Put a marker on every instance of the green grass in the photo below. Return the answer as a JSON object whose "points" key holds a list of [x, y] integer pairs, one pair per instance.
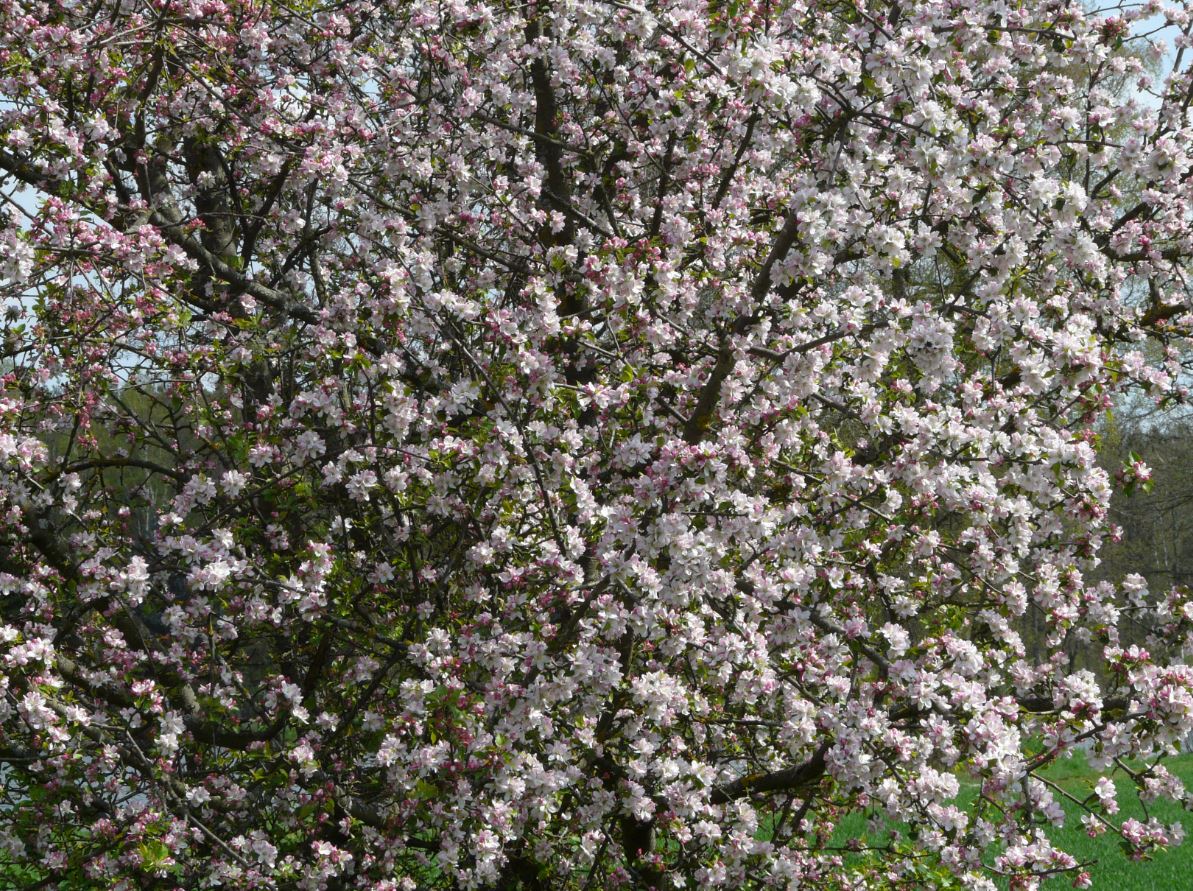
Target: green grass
{"points": [[1114, 870], [1166, 871]]}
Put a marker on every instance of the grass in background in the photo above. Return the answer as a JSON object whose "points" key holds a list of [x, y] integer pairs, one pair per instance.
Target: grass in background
{"points": [[1170, 870]]}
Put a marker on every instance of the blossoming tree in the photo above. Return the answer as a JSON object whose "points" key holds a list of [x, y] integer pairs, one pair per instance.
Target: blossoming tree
{"points": [[579, 443]]}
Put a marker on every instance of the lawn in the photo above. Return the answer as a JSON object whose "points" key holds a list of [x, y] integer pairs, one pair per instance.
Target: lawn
{"points": [[1114, 870], [1166, 871]]}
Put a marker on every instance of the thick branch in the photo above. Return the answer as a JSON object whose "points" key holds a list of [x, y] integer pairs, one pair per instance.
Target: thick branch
{"points": [[798, 778], [710, 394]]}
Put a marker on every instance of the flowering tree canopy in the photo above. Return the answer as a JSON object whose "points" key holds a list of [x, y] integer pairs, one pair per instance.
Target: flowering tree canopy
{"points": [[577, 443]]}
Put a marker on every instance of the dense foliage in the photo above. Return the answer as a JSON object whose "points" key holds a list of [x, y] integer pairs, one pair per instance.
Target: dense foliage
{"points": [[577, 443]]}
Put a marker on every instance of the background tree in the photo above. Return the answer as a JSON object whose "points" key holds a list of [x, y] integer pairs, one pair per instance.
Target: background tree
{"points": [[577, 444]]}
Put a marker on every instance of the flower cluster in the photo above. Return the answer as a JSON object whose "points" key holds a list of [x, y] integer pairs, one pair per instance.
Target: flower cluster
{"points": [[580, 444]]}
